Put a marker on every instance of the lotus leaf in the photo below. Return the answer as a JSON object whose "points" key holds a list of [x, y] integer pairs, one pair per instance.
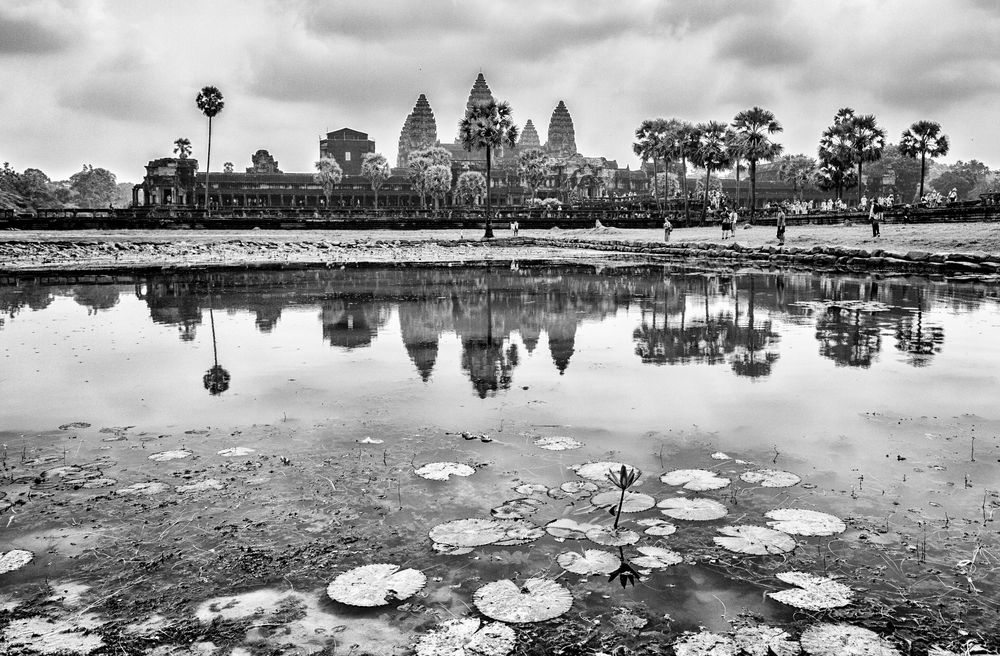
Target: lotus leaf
{"points": [[146, 489], [591, 561], [805, 522], [612, 537], [375, 585], [531, 488], [518, 531], [449, 550], [656, 557], [537, 601], [657, 527], [569, 529], [696, 480], [825, 639], [633, 501], [598, 471], [15, 559], [698, 510], [44, 635], [557, 443], [764, 640], [704, 644], [770, 478], [466, 636], [236, 451], [579, 489], [754, 540], [442, 471], [468, 532], [164, 456], [516, 508], [813, 592], [719, 455]]}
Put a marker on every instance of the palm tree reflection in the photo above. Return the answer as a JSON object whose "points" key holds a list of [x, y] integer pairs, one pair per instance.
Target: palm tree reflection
{"points": [[216, 379]]}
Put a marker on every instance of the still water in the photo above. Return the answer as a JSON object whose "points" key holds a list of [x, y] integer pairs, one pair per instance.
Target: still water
{"points": [[881, 394]]}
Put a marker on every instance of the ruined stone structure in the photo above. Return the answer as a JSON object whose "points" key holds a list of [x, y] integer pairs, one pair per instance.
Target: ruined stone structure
{"points": [[562, 136], [348, 147], [263, 163], [419, 130], [529, 137]]}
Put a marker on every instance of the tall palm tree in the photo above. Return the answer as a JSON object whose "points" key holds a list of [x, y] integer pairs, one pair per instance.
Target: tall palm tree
{"points": [[488, 125], [836, 157], [685, 144], [182, 146], [210, 103], [867, 142], [216, 379], [711, 153], [737, 148], [923, 139], [755, 127], [648, 141]]}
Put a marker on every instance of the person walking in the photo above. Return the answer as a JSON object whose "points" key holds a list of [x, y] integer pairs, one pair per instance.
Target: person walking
{"points": [[874, 215], [781, 227], [734, 218], [667, 229]]}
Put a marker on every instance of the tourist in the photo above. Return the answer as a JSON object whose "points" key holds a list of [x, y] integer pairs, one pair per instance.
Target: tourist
{"points": [[953, 196], [514, 227], [781, 227], [874, 215], [864, 202], [726, 225], [667, 229], [734, 219]]}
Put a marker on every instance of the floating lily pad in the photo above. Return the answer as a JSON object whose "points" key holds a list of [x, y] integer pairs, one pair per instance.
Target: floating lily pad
{"points": [[518, 531], [468, 532], [375, 585], [658, 527], [591, 561], [537, 601], [598, 471], [531, 488], [201, 486], [704, 644], [557, 443], [14, 559], [764, 640], [95, 483], [719, 455], [516, 508], [696, 480], [569, 529], [754, 540], [442, 471], [576, 489], [770, 478], [73, 425], [656, 557], [449, 550], [634, 501], [825, 639], [612, 537], [623, 619], [146, 489], [805, 522], [164, 456], [467, 636], [236, 451], [43, 635], [697, 510], [813, 592]]}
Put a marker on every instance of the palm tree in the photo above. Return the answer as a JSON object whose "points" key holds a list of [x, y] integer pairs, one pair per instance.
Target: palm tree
{"points": [[182, 146], [227, 167], [867, 140], [328, 175], [797, 170], [923, 139], [216, 379], [737, 149], [375, 168], [488, 125], [684, 145], [649, 145], [210, 103], [711, 153], [755, 127]]}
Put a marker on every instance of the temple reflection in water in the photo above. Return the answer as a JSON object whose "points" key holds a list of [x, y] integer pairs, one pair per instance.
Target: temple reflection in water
{"points": [[498, 314]]}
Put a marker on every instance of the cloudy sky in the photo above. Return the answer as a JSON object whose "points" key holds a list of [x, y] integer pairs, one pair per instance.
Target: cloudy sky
{"points": [[112, 82]]}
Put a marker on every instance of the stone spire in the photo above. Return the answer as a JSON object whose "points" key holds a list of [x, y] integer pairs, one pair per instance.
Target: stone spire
{"points": [[562, 137], [419, 130], [529, 137], [480, 92]]}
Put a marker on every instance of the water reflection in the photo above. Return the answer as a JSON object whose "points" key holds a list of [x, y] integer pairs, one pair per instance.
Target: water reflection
{"points": [[684, 318]]}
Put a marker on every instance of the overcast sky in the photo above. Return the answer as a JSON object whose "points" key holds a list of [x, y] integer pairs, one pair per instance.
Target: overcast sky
{"points": [[113, 82]]}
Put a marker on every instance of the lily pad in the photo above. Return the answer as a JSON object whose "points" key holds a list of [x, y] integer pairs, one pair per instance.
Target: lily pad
{"points": [[236, 451], [805, 522], [754, 540], [704, 643], [569, 529], [164, 456], [516, 508], [658, 527], [598, 471], [74, 424], [656, 557], [719, 455], [15, 559], [43, 635], [697, 510], [375, 585], [612, 537], [467, 636], [764, 640], [591, 561], [146, 489], [531, 488], [579, 489], [518, 531], [442, 471], [537, 601], [634, 501], [696, 480], [557, 443], [826, 639], [770, 478], [468, 532], [813, 592], [449, 550], [201, 486]]}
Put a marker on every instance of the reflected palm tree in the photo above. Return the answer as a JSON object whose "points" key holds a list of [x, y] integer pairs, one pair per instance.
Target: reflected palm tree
{"points": [[848, 341], [216, 379], [919, 342], [751, 357]]}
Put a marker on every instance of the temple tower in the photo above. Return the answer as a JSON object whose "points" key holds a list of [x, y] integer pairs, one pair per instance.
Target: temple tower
{"points": [[480, 92], [419, 130], [529, 137], [562, 137]]}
